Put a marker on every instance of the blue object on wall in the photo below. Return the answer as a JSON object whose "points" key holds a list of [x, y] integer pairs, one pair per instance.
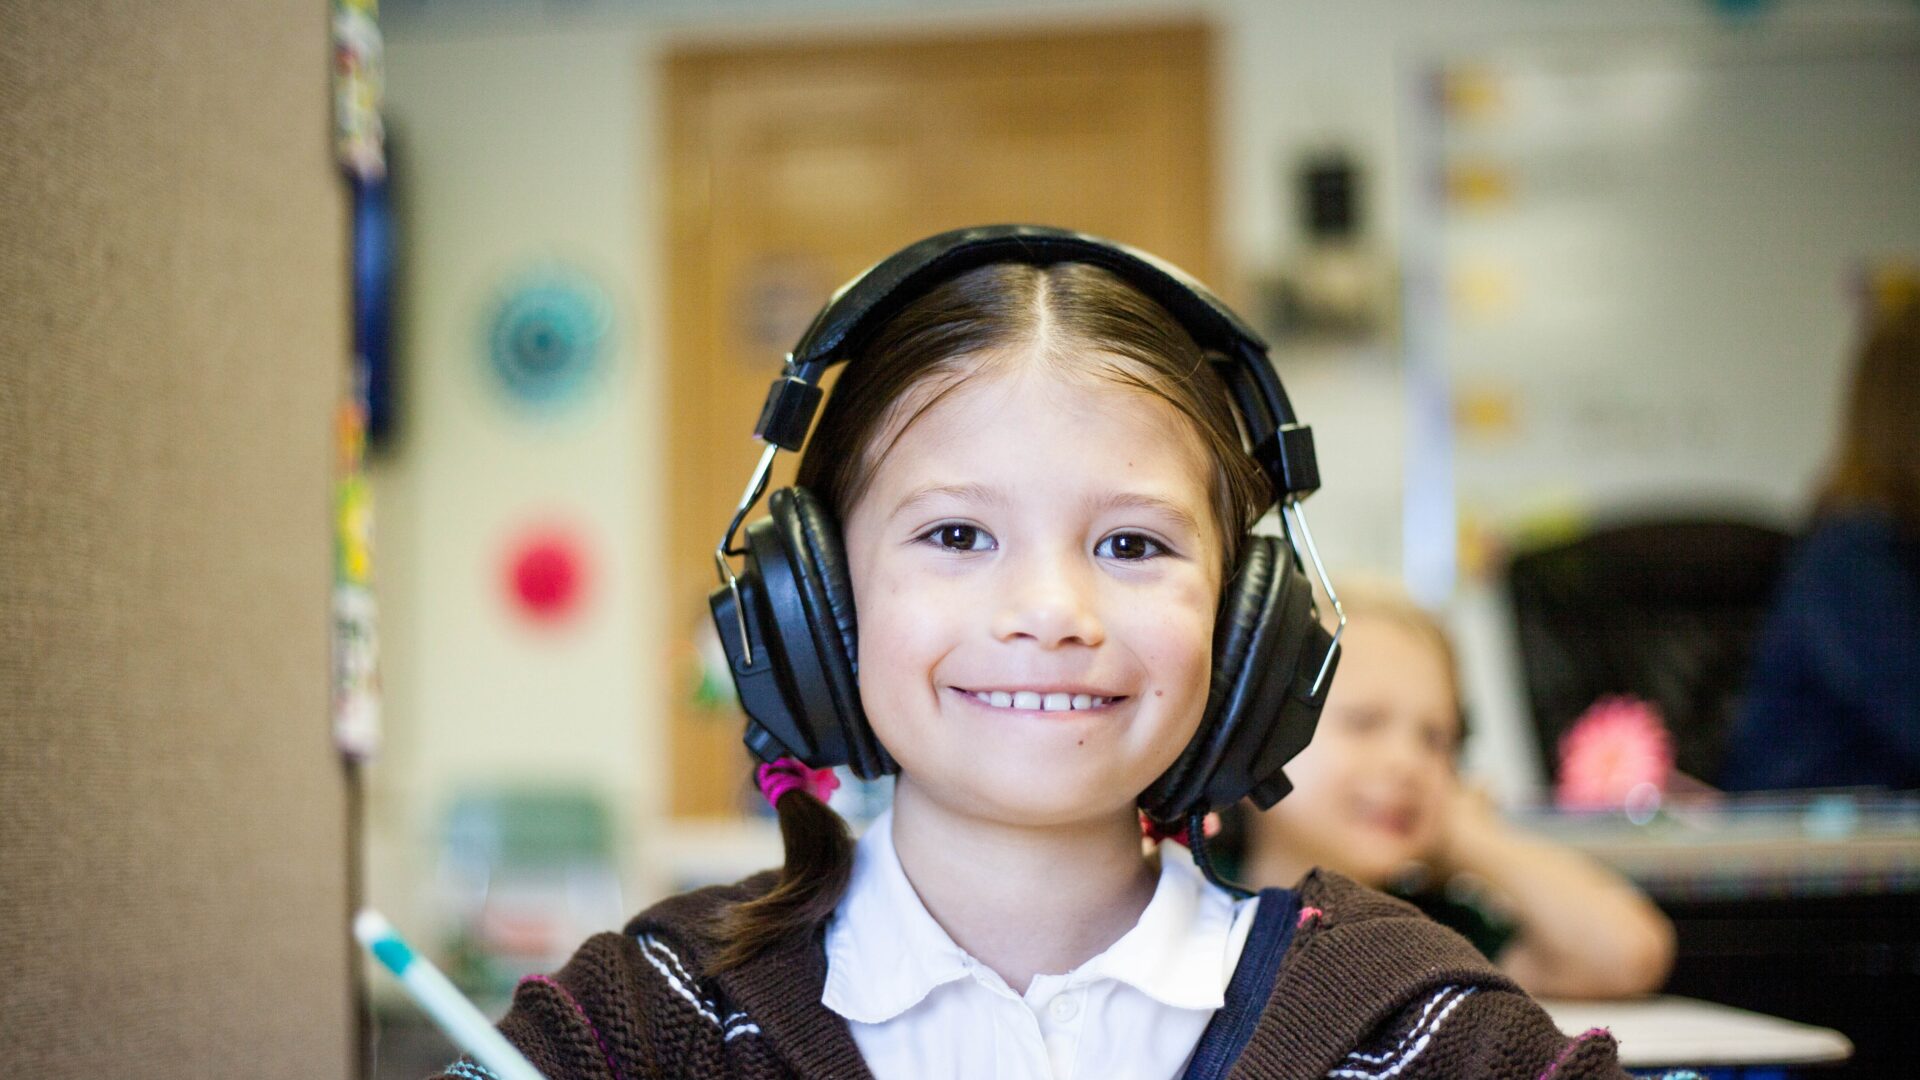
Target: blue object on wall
{"points": [[548, 337], [373, 253]]}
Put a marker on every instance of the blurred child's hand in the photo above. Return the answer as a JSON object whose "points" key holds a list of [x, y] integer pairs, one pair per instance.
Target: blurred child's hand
{"points": [[1468, 820], [1583, 931]]}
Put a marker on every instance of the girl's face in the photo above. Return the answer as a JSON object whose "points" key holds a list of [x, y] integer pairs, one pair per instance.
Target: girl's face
{"points": [[1370, 789], [1036, 576]]}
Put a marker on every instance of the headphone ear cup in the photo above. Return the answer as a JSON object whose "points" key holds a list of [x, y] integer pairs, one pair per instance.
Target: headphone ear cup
{"points": [[1273, 697], [1258, 713], [811, 537]]}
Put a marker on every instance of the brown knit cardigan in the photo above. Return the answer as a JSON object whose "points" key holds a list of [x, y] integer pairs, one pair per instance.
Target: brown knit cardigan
{"points": [[1368, 988]]}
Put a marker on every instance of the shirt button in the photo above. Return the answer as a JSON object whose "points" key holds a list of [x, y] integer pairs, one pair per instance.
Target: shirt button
{"points": [[1065, 1007]]}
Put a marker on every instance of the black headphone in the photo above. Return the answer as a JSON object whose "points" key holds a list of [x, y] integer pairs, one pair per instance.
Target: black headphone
{"points": [[787, 620]]}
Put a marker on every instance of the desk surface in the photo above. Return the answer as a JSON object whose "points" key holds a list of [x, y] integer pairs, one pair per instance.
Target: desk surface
{"points": [[1721, 847], [1669, 1031]]}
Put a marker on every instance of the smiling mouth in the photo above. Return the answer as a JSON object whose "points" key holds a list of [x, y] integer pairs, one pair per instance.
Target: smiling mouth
{"points": [[1398, 822], [1039, 701]]}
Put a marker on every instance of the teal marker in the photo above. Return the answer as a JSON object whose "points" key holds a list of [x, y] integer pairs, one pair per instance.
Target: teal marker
{"points": [[463, 1023]]}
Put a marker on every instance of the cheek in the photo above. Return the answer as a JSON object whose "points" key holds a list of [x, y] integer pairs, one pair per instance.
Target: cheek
{"points": [[1323, 767], [1174, 639], [1435, 783], [1331, 779], [1179, 624], [1313, 811], [897, 634]]}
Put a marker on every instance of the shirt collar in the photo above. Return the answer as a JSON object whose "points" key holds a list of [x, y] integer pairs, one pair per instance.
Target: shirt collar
{"points": [[1177, 953], [885, 953]]}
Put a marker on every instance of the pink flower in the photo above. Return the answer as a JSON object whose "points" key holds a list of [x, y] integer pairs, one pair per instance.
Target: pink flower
{"points": [[1616, 752]]}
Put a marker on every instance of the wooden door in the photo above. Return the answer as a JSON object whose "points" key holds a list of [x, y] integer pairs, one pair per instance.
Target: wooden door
{"points": [[791, 168]]}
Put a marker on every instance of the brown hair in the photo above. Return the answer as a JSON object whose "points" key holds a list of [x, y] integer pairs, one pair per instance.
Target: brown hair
{"points": [[1878, 463], [984, 316]]}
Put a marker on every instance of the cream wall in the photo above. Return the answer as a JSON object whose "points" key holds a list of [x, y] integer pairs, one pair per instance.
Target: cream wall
{"points": [[517, 148], [531, 130]]}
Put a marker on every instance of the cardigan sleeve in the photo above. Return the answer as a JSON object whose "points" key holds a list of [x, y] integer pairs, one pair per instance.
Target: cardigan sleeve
{"points": [[581, 1023], [1479, 1031]]}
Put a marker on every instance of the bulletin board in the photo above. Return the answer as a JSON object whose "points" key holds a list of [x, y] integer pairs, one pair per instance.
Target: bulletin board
{"points": [[1633, 271]]}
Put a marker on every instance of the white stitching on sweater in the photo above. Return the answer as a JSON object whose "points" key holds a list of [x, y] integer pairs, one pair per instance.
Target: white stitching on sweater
{"points": [[1418, 1046], [650, 946], [672, 956], [1382, 1058], [743, 1029]]}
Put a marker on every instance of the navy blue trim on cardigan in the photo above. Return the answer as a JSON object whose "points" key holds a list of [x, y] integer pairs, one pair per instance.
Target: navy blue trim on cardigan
{"points": [[1231, 1028]]}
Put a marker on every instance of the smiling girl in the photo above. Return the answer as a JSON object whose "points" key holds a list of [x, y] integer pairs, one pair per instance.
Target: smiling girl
{"points": [[1037, 483]]}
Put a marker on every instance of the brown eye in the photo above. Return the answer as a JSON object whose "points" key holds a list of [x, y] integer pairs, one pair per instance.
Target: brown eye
{"points": [[960, 538], [1129, 547], [1440, 739]]}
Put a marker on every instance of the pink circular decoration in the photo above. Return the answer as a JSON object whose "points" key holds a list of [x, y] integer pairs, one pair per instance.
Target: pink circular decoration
{"points": [[1616, 755], [547, 575]]}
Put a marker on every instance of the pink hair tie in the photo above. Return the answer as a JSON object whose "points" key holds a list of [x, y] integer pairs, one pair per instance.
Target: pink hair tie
{"points": [[788, 773], [1176, 831], [1156, 832]]}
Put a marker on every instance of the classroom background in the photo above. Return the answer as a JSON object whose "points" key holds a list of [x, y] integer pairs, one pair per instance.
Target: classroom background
{"points": [[378, 379]]}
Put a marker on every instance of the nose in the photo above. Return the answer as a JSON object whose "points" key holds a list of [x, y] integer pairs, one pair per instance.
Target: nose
{"points": [[1048, 600]]}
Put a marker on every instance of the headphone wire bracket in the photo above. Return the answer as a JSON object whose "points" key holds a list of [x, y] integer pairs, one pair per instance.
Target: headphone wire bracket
{"points": [[1299, 515], [756, 487]]}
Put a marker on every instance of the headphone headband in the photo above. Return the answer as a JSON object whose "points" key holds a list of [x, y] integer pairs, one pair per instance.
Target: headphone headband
{"points": [[1282, 446], [877, 295]]}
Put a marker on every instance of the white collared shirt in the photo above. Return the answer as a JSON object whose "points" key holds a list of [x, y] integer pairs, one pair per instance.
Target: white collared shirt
{"points": [[921, 1008]]}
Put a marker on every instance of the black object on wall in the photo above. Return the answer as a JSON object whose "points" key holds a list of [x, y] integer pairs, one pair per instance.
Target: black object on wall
{"points": [[1330, 198]]}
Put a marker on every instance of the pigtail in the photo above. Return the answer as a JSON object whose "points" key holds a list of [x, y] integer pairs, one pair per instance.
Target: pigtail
{"points": [[819, 861]]}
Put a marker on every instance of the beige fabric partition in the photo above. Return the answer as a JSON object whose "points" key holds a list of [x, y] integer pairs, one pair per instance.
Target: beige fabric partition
{"points": [[173, 339]]}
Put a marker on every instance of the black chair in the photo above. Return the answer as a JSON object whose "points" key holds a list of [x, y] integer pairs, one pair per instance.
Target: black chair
{"points": [[1665, 610]]}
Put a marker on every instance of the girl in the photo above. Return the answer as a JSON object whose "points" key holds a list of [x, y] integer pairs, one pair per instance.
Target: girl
{"points": [[1376, 793], [1040, 488]]}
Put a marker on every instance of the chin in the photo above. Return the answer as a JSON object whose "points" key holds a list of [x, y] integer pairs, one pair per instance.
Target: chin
{"points": [[1021, 809], [1377, 876], [1034, 794], [1381, 864], [1059, 797]]}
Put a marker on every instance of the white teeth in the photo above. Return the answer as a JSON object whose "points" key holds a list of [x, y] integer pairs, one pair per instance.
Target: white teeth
{"points": [[1033, 699]]}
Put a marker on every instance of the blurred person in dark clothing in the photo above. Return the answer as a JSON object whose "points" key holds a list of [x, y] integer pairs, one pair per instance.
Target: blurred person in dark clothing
{"points": [[1834, 695]]}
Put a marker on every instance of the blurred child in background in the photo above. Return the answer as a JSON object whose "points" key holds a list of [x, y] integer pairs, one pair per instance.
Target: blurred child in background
{"points": [[1834, 697], [1377, 797]]}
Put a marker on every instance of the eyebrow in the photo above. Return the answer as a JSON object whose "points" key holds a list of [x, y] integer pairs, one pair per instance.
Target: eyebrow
{"points": [[989, 496], [1129, 500], [974, 493]]}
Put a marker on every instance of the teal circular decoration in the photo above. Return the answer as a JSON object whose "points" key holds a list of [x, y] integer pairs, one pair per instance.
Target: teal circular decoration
{"points": [[548, 338]]}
